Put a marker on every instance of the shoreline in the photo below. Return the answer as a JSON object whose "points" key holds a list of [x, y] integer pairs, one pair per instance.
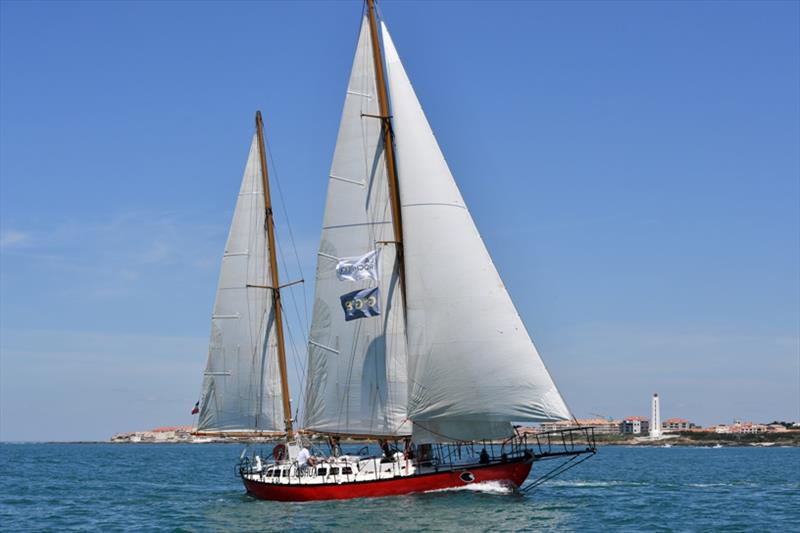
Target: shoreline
{"points": [[790, 439]]}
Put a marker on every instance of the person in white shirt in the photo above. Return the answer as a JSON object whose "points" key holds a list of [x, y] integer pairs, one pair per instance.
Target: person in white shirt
{"points": [[304, 459]]}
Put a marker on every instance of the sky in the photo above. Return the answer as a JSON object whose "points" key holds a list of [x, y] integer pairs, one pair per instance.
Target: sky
{"points": [[633, 169]]}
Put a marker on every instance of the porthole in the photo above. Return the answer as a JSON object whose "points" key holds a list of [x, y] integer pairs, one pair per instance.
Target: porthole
{"points": [[467, 477]]}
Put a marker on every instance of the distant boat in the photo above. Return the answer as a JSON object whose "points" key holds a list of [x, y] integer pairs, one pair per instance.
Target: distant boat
{"points": [[666, 445], [414, 341], [717, 446]]}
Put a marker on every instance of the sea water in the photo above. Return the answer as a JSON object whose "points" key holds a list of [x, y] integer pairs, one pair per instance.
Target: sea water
{"points": [[193, 487]]}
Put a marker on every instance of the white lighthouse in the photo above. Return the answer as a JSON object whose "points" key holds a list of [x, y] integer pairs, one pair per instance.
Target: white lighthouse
{"points": [[655, 418]]}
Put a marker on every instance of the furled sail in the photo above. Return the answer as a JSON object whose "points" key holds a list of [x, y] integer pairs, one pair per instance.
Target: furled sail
{"points": [[241, 389], [357, 348], [472, 366]]}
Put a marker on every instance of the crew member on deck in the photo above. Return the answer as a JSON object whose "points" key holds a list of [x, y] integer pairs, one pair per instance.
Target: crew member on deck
{"points": [[409, 450], [484, 457], [336, 449], [387, 451], [305, 459]]}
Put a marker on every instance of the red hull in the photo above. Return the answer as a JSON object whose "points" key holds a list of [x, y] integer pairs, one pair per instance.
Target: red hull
{"points": [[513, 474]]}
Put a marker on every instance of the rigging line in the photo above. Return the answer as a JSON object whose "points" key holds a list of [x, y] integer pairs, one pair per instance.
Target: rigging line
{"points": [[298, 362], [298, 365], [300, 321], [560, 469], [282, 256], [296, 358], [288, 226]]}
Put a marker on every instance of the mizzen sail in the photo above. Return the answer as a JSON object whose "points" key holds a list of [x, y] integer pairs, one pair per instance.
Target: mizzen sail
{"points": [[472, 366], [357, 349], [241, 389]]}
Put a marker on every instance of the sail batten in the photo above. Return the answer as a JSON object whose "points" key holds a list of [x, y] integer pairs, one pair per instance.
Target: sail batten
{"points": [[472, 366], [240, 389]]}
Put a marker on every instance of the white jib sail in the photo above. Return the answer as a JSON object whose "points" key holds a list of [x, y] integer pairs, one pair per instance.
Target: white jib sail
{"points": [[357, 350], [472, 365], [241, 388]]}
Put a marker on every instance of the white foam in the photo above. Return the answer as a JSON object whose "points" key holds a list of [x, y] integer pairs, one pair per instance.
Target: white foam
{"points": [[490, 487]]}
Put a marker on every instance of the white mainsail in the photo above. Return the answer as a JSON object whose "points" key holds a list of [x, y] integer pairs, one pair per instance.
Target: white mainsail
{"points": [[472, 366], [357, 367], [241, 389]]}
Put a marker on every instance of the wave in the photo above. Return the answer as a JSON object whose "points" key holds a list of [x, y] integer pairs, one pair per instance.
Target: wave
{"points": [[562, 483], [711, 485]]}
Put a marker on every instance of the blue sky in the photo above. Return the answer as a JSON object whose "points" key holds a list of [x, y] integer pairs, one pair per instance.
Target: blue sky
{"points": [[633, 168]]}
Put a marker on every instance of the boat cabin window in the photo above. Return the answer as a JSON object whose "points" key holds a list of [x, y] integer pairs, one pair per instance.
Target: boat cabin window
{"points": [[347, 470], [284, 473], [322, 471], [334, 470]]}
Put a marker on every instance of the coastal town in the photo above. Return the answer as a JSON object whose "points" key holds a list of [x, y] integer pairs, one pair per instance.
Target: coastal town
{"points": [[630, 430]]}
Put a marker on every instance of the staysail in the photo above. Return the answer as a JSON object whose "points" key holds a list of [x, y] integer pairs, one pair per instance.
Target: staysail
{"points": [[472, 366], [241, 389], [357, 349]]}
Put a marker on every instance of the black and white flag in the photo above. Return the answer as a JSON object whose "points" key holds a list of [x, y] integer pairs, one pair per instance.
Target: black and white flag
{"points": [[362, 303], [358, 268]]}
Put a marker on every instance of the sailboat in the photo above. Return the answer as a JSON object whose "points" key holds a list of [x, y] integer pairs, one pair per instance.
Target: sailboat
{"points": [[414, 341]]}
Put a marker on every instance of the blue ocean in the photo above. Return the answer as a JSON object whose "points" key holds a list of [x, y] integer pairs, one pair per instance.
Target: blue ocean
{"points": [[193, 487]]}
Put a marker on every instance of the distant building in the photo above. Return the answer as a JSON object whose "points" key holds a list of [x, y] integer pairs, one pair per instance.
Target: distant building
{"points": [[161, 434], [739, 427], [601, 426], [677, 424], [635, 425]]}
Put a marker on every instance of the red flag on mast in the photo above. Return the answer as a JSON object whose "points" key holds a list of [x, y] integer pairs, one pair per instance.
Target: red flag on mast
{"points": [[196, 408]]}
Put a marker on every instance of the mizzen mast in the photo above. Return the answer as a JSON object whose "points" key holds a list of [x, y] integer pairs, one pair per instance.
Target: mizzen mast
{"points": [[275, 287], [388, 144]]}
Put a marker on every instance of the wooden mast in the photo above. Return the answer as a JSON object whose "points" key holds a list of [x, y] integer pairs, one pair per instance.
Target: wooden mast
{"points": [[275, 284], [388, 144]]}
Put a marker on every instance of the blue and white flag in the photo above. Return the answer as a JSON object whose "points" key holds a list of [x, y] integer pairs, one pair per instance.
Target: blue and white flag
{"points": [[358, 268], [362, 303]]}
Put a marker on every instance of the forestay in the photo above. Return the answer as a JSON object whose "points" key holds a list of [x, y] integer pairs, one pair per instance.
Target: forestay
{"points": [[241, 389], [357, 350], [472, 365]]}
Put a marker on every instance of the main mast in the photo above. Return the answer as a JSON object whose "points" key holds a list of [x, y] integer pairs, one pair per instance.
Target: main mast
{"points": [[388, 144], [275, 288]]}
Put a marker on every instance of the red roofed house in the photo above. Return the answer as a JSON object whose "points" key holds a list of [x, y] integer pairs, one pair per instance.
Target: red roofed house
{"points": [[676, 424], [635, 425]]}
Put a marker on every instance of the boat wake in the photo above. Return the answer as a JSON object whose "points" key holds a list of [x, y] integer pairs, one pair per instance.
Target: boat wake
{"points": [[488, 487]]}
